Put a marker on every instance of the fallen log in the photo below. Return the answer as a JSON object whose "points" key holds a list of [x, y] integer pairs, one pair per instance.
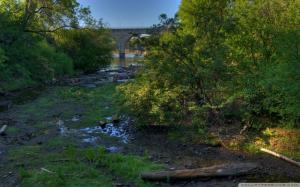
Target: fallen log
{"points": [[280, 156], [2, 130], [233, 169]]}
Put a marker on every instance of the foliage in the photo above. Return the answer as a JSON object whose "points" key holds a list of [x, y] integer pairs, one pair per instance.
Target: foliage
{"points": [[28, 52], [225, 59], [89, 48]]}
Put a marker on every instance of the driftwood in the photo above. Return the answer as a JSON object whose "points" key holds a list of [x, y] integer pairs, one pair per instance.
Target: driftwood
{"points": [[46, 170], [2, 130], [280, 156], [234, 169]]}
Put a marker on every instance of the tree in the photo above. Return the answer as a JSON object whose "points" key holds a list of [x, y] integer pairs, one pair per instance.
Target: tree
{"points": [[226, 59], [90, 49], [28, 33]]}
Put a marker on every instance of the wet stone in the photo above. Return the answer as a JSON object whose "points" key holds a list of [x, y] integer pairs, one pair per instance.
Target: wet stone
{"points": [[89, 85], [109, 118], [113, 149], [90, 140], [91, 134], [75, 119]]}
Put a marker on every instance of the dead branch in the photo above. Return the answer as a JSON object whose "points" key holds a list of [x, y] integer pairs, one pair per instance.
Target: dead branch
{"points": [[280, 156]]}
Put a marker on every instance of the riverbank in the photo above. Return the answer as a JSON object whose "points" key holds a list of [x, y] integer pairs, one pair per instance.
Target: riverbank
{"points": [[76, 133]]}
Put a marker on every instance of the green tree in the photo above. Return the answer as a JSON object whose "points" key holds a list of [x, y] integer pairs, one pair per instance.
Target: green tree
{"points": [[28, 30], [90, 49], [223, 54]]}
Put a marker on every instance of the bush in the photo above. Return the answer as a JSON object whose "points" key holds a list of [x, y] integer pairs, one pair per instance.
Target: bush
{"points": [[221, 54], [30, 60], [90, 49]]}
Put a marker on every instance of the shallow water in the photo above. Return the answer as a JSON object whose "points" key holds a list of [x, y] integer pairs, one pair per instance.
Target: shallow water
{"points": [[91, 134], [110, 129]]}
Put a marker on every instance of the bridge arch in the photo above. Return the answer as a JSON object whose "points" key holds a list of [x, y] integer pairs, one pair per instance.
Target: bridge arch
{"points": [[123, 35]]}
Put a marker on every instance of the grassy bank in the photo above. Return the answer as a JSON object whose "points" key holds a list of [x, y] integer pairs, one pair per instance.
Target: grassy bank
{"points": [[49, 159]]}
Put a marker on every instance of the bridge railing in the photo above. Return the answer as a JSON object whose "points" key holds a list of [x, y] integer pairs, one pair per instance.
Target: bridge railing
{"points": [[125, 28]]}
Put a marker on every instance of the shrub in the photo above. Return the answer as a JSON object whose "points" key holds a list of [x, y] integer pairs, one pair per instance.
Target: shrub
{"points": [[90, 49]]}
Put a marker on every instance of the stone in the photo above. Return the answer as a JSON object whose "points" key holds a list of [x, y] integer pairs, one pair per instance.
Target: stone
{"points": [[102, 124], [5, 105], [75, 119], [115, 119], [124, 80], [119, 185], [113, 149], [97, 83], [89, 85]]}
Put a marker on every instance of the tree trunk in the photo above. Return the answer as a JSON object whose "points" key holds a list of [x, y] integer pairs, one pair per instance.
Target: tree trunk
{"points": [[233, 169]]}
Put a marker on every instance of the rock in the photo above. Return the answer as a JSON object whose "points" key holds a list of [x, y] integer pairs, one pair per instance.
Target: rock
{"points": [[97, 83], [109, 119], [89, 85], [102, 124], [60, 122], [115, 119], [124, 80], [119, 185], [75, 119], [2, 94], [113, 149], [123, 76], [5, 105]]}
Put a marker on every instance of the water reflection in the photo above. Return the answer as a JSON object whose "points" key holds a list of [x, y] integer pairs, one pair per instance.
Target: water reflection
{"points": [[130, 59]]}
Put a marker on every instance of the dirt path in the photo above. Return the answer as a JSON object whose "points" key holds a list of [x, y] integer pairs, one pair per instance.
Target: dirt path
{"points": [[81, 113]]}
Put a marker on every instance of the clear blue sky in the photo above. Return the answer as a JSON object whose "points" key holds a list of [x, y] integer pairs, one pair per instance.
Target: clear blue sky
{"points": [[131, 13]]}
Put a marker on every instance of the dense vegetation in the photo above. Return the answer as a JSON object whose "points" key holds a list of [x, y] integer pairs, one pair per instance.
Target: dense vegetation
{"points": [[41, 40], [225, 60]]}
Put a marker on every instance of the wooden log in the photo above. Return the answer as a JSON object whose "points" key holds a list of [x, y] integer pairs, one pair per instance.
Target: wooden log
{"points": [[280, 156], [2, 130], [233, 169]]}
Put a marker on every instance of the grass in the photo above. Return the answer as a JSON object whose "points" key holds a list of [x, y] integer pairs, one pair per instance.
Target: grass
{"points": [[77, 167], [129, 167], [12, 131], [191, 134], [97, 103], [70, 174], [283, 141], [67, 163], [93, 105]]}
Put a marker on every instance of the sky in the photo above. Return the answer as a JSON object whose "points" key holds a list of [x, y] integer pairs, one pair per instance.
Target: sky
{"points": [[131, 13]]}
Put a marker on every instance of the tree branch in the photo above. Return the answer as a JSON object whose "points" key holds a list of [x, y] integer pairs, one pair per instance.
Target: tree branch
{"points": [[46, 31]]}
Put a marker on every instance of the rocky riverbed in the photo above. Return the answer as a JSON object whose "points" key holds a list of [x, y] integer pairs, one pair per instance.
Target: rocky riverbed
{"points": [[80, 113]]}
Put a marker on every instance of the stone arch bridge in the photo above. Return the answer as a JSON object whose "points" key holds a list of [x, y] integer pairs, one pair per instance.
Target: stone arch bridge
{"points": [[123, 35]]}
